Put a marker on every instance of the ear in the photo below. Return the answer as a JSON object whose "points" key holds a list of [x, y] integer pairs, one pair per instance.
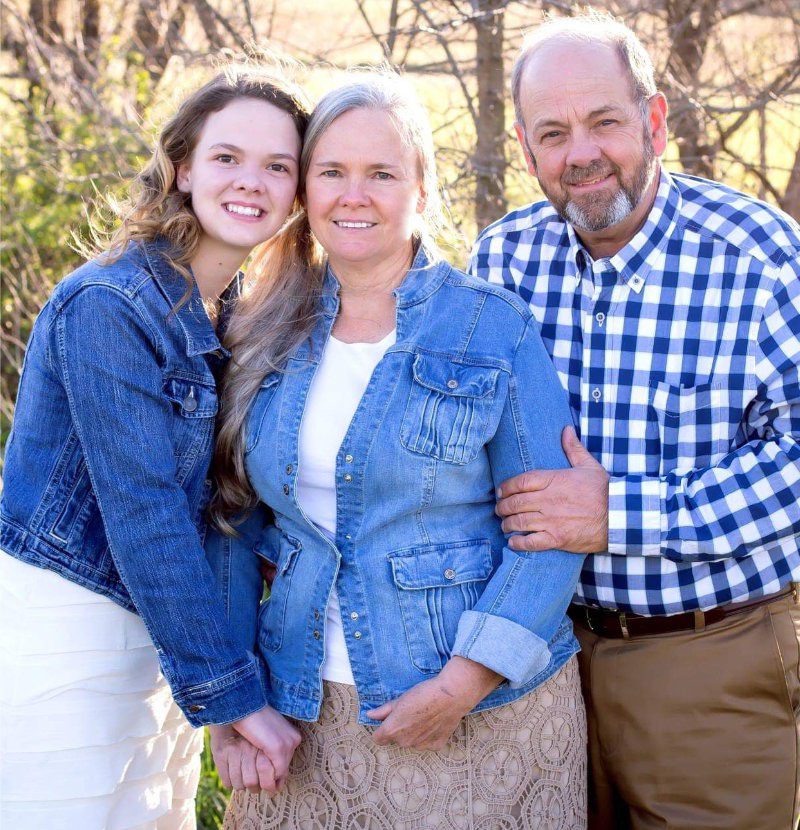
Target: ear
{"points": [[183, 178], [657, 106], [530, 162], [422, 200]]}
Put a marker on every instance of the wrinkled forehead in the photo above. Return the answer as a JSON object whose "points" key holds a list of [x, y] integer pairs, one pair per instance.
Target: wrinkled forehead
{"points": [[567, 79]]}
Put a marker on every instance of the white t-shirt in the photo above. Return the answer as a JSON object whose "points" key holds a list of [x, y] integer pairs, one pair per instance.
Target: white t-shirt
{"points": [[338, 386]]}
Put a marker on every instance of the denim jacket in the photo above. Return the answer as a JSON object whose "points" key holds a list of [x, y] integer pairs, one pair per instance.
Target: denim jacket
{"points": [[465, 398], [107, 464]]}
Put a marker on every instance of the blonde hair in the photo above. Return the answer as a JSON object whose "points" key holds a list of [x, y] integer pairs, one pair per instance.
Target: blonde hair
{"points": [[279, 310], [155, 207]]}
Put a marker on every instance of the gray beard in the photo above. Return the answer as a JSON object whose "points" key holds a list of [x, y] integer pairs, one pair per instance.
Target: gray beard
{"points": [[619, 208]]}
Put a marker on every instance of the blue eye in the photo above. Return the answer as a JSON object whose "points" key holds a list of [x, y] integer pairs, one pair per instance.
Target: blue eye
{"points": [[383, 176], [329, 174]]}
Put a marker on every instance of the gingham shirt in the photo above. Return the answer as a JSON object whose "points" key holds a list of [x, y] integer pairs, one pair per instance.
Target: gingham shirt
{"points": [[680, 357]]}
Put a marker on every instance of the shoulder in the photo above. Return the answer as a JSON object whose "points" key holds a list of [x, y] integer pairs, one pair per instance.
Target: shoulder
{"points": [[751, 227], [535, 222], [495, 301]]}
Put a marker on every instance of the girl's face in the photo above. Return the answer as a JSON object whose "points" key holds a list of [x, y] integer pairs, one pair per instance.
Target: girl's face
{"points": [[363, 192], [242, 176]]}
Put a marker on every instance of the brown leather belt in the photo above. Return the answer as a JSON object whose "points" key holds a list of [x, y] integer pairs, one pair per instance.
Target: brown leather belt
{"points": [[621, 625]]}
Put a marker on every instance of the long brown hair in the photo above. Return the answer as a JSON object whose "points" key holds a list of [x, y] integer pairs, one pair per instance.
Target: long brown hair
{"points": [[155, 207]]}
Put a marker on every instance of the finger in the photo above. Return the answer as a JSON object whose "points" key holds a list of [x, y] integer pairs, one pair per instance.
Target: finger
{"points": [[524, 483], [249, 771], [543, 540], [222, 769], [266, 774], [382, 711], [577, 454], [235, 769], [523, 523], [383, 736], [520, 503]]}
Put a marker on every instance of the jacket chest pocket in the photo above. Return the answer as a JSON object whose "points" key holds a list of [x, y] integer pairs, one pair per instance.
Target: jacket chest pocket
{"points": [[448, 409], [195, 408], [272, 612], [435, 585], [694, 424]]}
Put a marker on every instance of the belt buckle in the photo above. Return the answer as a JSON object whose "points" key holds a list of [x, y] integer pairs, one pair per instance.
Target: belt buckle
{"points": [[588, 618], [623, 624]]}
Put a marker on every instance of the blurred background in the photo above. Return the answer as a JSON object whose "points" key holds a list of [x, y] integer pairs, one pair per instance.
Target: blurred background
{"points": [[85, 83]]}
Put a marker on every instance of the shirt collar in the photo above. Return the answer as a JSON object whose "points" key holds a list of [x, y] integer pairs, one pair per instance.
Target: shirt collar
{"points": [[634, 261], [200, 335]]}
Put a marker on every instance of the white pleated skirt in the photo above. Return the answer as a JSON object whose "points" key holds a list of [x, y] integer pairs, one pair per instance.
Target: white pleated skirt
{"points": [[90, 737]]}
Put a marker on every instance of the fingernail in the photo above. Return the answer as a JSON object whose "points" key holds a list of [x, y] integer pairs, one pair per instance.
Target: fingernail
{"points": [[499, 493]]}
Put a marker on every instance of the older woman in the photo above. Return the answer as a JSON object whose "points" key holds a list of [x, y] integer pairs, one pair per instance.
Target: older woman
{"points": [[374, 405]]}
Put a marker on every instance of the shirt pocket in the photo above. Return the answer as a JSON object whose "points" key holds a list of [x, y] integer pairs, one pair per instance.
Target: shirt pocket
{"points": [[194, 405], [435, 585], [281, 552], [448, 409], [694, 424], [261, 402]]}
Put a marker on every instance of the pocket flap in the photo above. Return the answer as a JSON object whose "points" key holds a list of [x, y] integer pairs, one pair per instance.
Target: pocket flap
{"points": [[192, 398], [278, 549], [449, 378], [437, 566]]}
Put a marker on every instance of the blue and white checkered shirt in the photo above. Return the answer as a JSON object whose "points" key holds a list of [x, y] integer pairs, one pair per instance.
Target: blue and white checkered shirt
{"points": [[681, 357]]}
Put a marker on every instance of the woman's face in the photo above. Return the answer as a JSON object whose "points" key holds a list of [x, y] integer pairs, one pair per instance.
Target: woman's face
{"points": [[363, 191], [242, 176]]}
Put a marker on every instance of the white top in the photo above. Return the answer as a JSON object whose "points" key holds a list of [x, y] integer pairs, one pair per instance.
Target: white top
{"points": [[336, 390]]}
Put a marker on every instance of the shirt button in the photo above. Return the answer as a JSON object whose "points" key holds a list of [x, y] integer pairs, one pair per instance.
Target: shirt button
{"points": [[596, 394], [357, 635], [354, 615], [636, 281], [600, 317], [289, 469], [348, 477], [449, 574], [348, 458], [190, 402], [348, 536], [286, 489], [452, 384], [195, 707], [316, 615], [316, 635]]}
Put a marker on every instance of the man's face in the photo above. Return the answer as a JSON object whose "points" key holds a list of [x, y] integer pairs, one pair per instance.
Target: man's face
{"points": [[587, 140]]}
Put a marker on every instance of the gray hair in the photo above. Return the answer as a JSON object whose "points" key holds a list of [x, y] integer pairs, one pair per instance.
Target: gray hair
{"points": [[387, 92], [591, 27]]}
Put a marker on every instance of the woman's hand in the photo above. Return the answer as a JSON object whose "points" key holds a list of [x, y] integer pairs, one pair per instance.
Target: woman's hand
{"points": [[236, 759], [276, 738], [427, 714]]}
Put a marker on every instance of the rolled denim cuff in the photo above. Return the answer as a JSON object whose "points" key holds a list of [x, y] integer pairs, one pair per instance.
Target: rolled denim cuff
{"points": [[225, 699], [501, 645]]}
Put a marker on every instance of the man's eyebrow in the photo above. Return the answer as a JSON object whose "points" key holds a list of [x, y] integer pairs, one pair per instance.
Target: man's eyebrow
{"points": [[604, 110], [595, 113]]}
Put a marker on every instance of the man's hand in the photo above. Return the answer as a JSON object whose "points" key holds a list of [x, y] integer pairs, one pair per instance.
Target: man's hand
{"points": [[276, 738], [426, 716], [563, 509], [237, 760]]}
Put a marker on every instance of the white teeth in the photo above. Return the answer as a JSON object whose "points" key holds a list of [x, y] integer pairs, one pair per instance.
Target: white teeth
{"points": [[241, 210], [355, 224]]}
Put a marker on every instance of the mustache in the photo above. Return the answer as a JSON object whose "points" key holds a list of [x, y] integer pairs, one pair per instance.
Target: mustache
{"points": [[579, 175]]}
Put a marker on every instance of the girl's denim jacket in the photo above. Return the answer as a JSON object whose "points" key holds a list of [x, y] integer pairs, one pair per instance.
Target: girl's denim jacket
{"points": [[465, 398], [106, 474]]}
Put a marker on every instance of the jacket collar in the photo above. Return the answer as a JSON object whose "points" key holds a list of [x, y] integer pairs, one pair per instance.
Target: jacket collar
{"points": [[200, 335]]}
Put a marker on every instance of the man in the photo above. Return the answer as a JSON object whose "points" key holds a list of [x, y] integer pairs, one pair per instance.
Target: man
{"points": [[671, 308]]}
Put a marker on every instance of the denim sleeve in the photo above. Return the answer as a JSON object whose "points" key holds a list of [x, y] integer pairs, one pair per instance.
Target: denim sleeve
{"points": [[108, 361], [237, 568], [524, 602]]}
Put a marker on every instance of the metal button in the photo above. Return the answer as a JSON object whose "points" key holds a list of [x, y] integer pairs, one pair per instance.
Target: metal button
{"points": [[289, 469], [452, 384], [208, 482], [354, 615], [449, 574], [190, 402], [348, 477], [196, 707], [596, 394], [348, 536], [348, 458], [286, 489], [316, 615], [357, 635], [317, 635], [600, 317]]}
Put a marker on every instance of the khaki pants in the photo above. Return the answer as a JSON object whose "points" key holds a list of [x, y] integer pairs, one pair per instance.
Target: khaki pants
{"points": [[698, 729]]}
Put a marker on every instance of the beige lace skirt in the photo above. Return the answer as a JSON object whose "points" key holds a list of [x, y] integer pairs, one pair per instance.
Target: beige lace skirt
{"points": [[521, 766]]}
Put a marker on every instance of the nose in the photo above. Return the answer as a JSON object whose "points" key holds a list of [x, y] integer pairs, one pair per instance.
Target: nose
{"points": [[250, 180], [582, 149], [354, 193]]}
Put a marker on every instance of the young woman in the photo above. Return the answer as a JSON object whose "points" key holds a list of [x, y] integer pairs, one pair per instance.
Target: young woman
{"points": [[106, 485], [406, 392]]}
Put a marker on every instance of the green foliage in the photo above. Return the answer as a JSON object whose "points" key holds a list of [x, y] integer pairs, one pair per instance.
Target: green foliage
{"points": [[212, 797]]}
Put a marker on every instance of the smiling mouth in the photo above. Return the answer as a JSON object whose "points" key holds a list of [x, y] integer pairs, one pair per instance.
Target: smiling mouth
{"points": [[241, 210], [590, 182], [340, 223]]}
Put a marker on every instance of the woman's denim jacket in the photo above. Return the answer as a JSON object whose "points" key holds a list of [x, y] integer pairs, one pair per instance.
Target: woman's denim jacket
{"points": [[107, 464], [465, 398]]}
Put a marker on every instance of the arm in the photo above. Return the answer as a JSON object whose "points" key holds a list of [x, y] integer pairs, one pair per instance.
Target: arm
{"points": [[107, 358], [748, 500]]}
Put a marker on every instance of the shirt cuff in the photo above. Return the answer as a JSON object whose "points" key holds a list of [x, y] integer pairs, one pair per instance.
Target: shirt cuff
{"points": [[228, 698], [501, 645], [634, 516]]}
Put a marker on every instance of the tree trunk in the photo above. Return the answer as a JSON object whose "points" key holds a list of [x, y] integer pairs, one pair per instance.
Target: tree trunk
{"points": [[791, 198], [489, 159]]}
